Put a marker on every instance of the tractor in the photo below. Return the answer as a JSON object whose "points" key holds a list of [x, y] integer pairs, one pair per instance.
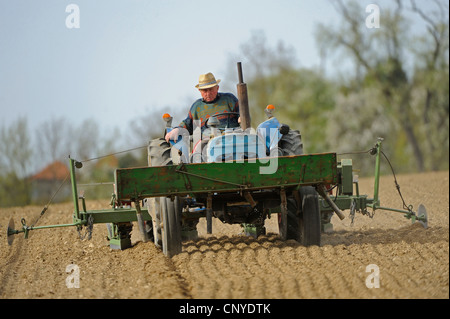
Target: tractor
{"points": [[235, 148], [238, 175]]}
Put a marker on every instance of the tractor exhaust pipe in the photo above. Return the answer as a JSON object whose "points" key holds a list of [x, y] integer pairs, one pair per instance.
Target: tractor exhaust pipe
{"points": [[244, 110]]}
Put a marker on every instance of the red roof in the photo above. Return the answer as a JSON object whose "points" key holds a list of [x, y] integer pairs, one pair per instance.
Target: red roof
{"points": [[55, 171]]}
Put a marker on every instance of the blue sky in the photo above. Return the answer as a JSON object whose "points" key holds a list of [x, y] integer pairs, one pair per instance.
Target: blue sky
{"points": [[130, 57]]}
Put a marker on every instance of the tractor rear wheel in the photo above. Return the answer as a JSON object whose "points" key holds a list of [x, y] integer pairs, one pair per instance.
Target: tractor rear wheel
{"points": [[309, 220], [292, 231], [165, 212], [159, 154], [171, 229], [303, 225], [153, 227], [291, 143]]}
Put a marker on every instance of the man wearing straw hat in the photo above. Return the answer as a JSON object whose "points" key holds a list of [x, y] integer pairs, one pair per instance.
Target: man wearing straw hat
{"points": [[212, 102]]}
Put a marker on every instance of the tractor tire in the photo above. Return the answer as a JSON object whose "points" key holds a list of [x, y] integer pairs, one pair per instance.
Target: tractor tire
{"points": [[292, 221], [165, 213], [159, 152], [171, 230], [153, 227], [291, 143], [309, 220], [305, 226]]}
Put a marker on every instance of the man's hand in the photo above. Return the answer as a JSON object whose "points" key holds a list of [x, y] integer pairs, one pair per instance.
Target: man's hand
{"points": [[173, 135]]}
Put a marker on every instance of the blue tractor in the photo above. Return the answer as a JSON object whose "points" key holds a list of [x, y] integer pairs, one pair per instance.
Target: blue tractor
{"points": [[228, 143]]}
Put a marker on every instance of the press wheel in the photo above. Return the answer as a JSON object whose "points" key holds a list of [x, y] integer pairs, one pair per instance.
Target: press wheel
{"points": [[422, 216], [10, 232]]}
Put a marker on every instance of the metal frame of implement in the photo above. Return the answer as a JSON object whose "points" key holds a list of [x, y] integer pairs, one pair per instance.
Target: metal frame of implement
{"points": [[136, 184]]}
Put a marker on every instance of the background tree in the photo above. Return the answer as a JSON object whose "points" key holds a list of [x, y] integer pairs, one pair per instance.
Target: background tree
{"points": [[151, 126], [302, 97], [391, 81], [409, 97], [15, 158]]}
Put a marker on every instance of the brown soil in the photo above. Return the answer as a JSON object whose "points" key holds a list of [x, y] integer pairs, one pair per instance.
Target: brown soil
{"points": [[413, 262]]}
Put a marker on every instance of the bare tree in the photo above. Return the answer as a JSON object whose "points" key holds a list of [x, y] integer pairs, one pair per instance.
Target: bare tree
{"points": [[52, 140], [15, 159], [434, 69], [380, 55], [15, 148]]}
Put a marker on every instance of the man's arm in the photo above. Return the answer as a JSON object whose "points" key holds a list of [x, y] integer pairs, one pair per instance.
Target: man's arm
{"points": [[185, 124]]}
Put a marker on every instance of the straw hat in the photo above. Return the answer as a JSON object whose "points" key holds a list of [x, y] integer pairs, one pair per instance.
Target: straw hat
{"points": [[206, 81]]}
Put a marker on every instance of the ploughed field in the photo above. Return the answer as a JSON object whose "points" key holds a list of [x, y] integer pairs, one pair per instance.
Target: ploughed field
{"points": [[381, 257]]}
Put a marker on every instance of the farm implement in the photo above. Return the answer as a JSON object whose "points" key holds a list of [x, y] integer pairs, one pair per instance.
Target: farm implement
{"points": [[239, 175]]}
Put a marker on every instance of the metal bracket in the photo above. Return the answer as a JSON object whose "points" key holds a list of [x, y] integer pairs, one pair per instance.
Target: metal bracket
{"points": [[283, 226], [209, 214]]}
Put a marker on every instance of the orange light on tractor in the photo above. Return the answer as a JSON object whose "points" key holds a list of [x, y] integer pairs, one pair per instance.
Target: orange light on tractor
{"points": [[270, 109], [168, 119]]}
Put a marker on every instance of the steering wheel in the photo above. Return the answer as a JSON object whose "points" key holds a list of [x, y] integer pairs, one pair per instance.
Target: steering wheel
{"points": [[228, 114]]}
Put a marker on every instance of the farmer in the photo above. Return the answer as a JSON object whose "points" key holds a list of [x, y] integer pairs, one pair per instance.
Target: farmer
{"points": [[212, 102]]}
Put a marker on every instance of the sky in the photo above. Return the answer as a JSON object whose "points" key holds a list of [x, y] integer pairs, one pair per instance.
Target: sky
{"points": [[130, 57]]}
